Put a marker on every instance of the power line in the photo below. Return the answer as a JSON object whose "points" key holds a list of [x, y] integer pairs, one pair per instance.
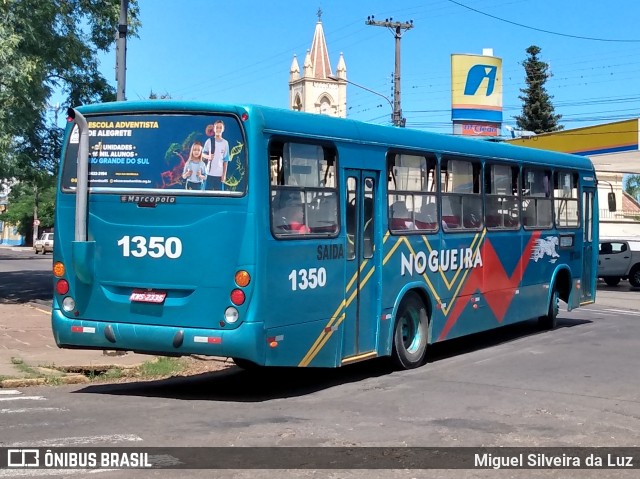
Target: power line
{"points": [[545, 31]]}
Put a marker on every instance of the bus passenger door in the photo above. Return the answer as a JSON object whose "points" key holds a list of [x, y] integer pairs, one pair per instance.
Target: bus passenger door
{"points": [[589, 258], [363, 272]]}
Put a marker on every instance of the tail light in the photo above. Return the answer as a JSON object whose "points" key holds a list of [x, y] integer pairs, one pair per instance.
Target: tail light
{"points": [[237, 297]]}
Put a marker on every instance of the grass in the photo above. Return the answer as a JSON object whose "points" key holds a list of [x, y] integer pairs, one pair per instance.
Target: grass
{"points": [[115, 373], [54, 380], [155, 368], [24, 368], [162, 366]]}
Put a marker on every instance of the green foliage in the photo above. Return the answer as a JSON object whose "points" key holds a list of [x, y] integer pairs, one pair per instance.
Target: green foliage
{"points": [[161, 366], [164, 96], [632, 186], [47, 47], [538, 114], [22, 201]]}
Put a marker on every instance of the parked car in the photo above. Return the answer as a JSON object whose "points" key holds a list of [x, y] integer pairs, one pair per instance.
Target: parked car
{"points": [[619, 259], [44, 244]]}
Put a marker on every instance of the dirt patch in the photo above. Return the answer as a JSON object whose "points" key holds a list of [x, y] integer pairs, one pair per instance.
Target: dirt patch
{"points": [[185, 366], [204, 364]]}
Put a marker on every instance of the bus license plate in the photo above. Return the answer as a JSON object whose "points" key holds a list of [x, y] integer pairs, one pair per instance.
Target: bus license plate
{"points": [[141, 296]]}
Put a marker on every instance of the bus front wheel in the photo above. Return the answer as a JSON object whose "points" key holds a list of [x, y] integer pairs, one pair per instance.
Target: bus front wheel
{"points": [[411, 331]]}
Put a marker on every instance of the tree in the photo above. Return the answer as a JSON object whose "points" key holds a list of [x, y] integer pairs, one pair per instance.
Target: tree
{"points": [[164, 96], [22, 199], [538, 114], [632, 186], [49, 47]]}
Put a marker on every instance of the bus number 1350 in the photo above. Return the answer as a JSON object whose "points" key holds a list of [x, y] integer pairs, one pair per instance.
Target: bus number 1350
{"points": [[156, 246], [308, 278]]}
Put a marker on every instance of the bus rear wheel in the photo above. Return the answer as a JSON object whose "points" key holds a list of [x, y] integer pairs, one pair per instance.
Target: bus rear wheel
{"points": [[550, 320], [411, 332]]}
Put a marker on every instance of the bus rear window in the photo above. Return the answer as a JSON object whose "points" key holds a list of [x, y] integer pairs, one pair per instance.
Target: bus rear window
{"points": [[195, 154]]}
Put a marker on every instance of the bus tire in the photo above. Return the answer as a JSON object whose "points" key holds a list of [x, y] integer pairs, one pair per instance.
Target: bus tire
{"points": [[634, 276], [612, 280], [245, 364], [410, 333], [550, 320]]}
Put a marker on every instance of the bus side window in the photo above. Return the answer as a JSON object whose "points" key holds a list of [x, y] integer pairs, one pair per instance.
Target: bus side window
{"points": [[411, 195], [537, 198], [304, 197], [322, 213], [501, 196], [565, 199], [399, 217], [288, 211], [461, 193]]}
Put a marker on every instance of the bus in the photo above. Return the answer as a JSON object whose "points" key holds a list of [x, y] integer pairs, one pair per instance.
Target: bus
{"points": [[281, 238]]}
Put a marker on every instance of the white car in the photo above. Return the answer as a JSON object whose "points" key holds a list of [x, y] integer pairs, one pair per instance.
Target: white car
{"points": [[44, 244], [619, 259]]}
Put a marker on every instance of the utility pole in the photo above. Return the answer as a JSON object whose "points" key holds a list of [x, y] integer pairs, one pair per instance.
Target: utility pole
{"points": [[397, 29], [36, 220], [121, 51]]}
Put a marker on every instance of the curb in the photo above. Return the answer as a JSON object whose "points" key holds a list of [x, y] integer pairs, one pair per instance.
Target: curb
{"points": [[83, 374], [24, 382], [65, 375]]}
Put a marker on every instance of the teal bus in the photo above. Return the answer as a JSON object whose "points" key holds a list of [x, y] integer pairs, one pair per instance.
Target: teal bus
{"points": [[281, 238]]}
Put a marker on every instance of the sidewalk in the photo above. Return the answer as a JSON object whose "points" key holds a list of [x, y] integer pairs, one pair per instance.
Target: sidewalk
{"points": [[28, 350]]}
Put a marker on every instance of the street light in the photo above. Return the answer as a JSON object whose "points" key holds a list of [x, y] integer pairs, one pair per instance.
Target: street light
{"points": [[393, 120]]}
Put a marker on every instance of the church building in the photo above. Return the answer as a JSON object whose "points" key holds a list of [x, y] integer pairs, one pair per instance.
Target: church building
{"points": [[316, 89]]}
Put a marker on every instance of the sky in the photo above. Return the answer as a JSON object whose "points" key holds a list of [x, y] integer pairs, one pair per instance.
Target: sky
{"points": [[240, 51]]}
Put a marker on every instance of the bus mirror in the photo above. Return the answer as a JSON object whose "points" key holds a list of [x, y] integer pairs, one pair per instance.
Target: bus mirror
{"points": [[611, 198]]}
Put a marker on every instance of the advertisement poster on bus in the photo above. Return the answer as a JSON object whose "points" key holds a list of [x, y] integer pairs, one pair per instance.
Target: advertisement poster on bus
{"points": [[198, 154]]}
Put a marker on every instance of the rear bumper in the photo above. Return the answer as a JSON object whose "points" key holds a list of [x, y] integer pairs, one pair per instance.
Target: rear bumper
{"points": [[248, 341]]}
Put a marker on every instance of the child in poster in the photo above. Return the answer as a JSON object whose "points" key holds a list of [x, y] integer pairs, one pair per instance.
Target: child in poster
{"points": [[217, 153], [195, 171]]}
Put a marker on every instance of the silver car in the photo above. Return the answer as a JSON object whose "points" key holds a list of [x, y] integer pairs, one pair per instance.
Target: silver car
{"points": [[44, 244], [619, 258]]}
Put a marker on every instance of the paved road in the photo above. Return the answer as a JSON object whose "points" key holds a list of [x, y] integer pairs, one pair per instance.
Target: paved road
{"points": [[25, 276], [575, 386], [622, 296]]}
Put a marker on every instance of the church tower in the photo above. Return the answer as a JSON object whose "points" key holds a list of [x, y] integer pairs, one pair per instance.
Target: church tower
{"points": [[312, 90]]}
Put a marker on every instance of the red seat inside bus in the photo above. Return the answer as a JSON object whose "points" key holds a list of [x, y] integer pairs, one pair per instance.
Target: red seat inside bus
{"points": [[451, 221], [426, 225], [492, 221]]}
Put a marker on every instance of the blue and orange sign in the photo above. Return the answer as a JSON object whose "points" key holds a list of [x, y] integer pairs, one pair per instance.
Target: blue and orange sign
{"points": [[476, 88]]}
